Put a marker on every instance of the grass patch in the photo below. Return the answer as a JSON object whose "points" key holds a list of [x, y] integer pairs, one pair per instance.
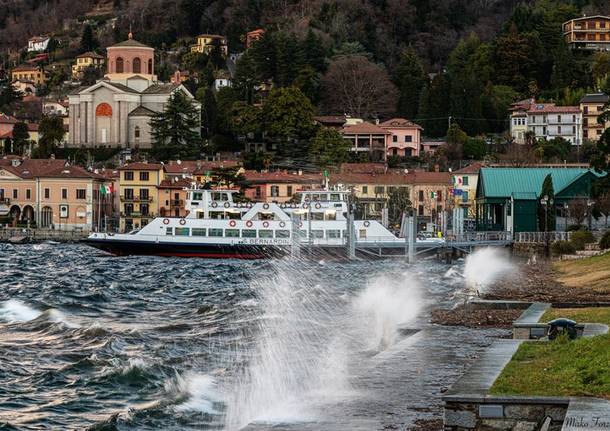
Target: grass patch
{"points": [[591, 272], [580, 315], [558, 368]]}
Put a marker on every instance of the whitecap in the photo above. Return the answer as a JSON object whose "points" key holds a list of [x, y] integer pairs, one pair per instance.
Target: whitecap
{"points": [[15, 310], [198, 392]]}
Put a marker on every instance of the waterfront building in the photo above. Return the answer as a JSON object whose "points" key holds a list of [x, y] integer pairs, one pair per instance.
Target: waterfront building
{"points": [[404, 138], [207, 42], [172, 194], [588, 32], [138, 191], [34, 74], [591, 106], [508, 198], [116, 111], [279, 186], [83, 61], [465, 188], [367, 138], [50, 193], [518, 120], [549, 121]]}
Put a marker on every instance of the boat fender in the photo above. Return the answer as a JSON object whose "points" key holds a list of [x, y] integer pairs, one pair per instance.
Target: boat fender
{"points": [[249, 223], [367, 223], [265, 224], [232, 223], [265, 206], [214, 204], [165, 221], [318, 205], [227, 204], [282, 224], [182, 221]]}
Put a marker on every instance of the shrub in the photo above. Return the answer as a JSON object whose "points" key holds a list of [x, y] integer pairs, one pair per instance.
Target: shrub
{"points": [[562, 247], [580, 238], [574, 227], [604, 242]]}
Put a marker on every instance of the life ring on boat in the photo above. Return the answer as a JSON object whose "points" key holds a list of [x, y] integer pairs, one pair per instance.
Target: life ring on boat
{"points": [[282, 224], [265, 206], [265, 224], [305, 205], [165, 221], [367, 223], [227, 204], [214, 204], [318, 205], [248, 204], [182, 221], [232, 223], [283, 205], [249, 223]]}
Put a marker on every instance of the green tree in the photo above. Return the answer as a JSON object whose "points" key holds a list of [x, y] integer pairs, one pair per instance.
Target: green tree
{"points": [[328, 148], [9, 95], [246, 77], [410, 79], [398, 203], [175, 131], [21, 137], [209, 110], [225, 99], [90, 75], [546, 218], [88, 42], [315, 54], [52, 133], [288, 116], [433, 107], [475, 148], [308, 81], [456, 138], [245, 119]]}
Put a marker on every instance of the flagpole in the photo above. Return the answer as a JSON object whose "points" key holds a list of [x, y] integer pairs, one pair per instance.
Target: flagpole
{"points": [[99, 207]]}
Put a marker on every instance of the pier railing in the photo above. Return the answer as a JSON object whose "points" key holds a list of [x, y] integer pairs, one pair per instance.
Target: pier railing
{"points": [[542, 237], [75, 234]]}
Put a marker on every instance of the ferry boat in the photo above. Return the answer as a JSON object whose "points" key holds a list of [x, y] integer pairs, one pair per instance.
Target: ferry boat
{"points": [[219, 227]]}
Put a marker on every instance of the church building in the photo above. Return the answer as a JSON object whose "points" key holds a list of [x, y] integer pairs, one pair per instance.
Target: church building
{"points": [[116, 111]]}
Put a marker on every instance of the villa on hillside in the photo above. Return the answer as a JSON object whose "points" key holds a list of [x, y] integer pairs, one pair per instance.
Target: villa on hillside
{"points": [[207, 42], [588, 32]]}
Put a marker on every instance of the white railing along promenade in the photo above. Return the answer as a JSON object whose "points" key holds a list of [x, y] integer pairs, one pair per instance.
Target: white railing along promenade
{"points": [[542, 237]]}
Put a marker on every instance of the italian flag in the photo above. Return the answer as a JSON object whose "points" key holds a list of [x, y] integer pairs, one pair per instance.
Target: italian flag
{"points": [[106, 189]]}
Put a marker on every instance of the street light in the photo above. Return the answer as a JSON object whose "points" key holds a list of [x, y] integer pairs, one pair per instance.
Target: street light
{"points": [[546, 202]]}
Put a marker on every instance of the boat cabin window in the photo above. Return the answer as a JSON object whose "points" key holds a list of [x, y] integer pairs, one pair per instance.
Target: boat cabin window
{"points": [[323, 197], [345, 234], [197, 196], [233, 215], [303, 233], [199, 231], [330, 215], [215, 232], [219, 215], [333, 234], [183, 231], [284, 233], [169, 231], [318, 234], [317, 216], [217, 196], [266, 216], [335, 197], [232, 233], [265, 233], [362, 233], [200, 213], [315, 197], [248, 233]]}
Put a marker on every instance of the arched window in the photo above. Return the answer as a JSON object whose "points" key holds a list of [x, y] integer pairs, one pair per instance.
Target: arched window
{"points": [[119, 65], [136, 132], [103, 110], [137, 65], [150, 70]]}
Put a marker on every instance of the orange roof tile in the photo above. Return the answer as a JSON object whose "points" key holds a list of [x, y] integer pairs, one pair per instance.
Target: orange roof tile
{"points": [[141, 166], [364, 128]]}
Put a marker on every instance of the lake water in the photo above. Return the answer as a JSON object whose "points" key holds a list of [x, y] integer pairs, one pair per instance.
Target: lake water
{"points": [[143, 343]]}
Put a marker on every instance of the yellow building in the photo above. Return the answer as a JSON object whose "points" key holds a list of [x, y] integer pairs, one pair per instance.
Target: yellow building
{"points": [[138, 190], [591, 106], [206, 42], [465, 189], [588, 32], [33, 74], [85, 60]]}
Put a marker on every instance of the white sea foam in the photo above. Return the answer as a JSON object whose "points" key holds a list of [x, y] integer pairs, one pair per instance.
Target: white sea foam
{"points": [[14, 310], [199, 391], [486, 266]]}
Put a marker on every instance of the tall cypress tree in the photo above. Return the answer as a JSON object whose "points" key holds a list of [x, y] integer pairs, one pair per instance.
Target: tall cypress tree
{"points": [[548, 212], [410, 79], [88, 42]]}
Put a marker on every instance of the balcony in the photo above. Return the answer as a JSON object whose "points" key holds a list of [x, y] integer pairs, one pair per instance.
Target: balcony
{"points": [[135, 199], [137, 214], [176, 203]]}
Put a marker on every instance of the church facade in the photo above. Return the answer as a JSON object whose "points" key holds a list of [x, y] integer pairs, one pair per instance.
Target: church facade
{"points": [[116, 111]]}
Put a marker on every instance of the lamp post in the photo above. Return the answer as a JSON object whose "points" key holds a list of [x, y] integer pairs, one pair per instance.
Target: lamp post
{"points": [[566, 215], [546, 202]]}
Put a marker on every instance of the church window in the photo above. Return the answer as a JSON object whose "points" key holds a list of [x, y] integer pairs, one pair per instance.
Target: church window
{"points": [[119, 65], [150, 69], [137, 65], [137, 132]]}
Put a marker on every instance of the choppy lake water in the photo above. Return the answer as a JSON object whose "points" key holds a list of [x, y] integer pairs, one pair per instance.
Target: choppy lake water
{"points": [[143, 343]]}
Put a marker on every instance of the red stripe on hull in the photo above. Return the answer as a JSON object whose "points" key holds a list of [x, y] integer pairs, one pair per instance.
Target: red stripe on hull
{"points": [[212, 255]]}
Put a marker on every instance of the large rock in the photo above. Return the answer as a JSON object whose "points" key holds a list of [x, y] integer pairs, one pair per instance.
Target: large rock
{"points": [[461, 419], [523, 412]]}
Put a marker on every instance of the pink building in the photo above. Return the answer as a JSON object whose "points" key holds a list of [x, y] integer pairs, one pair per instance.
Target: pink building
{"points": [[279, 186], [130, 57], [405, 137]]}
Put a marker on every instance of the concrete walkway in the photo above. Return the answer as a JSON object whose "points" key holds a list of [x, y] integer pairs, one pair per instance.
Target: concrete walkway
{"points": [[593, 329], [592, 414]]}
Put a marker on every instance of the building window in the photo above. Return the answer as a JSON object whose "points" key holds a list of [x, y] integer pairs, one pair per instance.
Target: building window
{"points": [[379, 190], [150, 68], [421, 196], [136, 132], [137, 65], [129, 194], [365, 190], [81, 194], [585, 110], [394, 138], [144, 194], [408, 138], [439, 196], [275, 191], [144, 176], [128, 175], [119, 65], [559, 130], [289, 191], [15, 193], [559, 118], [144, 209], [64, 193], [28, 194], [420, 210], [464, 181], [258, 192], [128, 209]]}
